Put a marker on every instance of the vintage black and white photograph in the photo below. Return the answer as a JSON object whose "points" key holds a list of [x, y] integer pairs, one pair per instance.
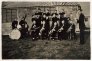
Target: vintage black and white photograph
{"points": [[46, 30]]}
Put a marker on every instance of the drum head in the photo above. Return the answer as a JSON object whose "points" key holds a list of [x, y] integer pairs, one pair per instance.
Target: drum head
{"points": [[15, 34]]}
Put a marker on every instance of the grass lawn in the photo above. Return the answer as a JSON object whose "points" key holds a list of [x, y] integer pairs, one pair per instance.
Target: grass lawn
{"points": [[45, 49]]}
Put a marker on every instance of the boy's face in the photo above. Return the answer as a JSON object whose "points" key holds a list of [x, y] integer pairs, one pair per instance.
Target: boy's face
{"points": [[80, 12], [44, 16], [70, 22], [58, 16], [34, 22], [55, 23], [53, 15], [63, 22], [15, 19], [64, 15]]}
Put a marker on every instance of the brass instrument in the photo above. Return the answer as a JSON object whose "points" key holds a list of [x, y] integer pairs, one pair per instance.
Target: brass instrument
{"points": [[42, 29], [60, 30], [69, 29], [34, 27], [52, 30]]}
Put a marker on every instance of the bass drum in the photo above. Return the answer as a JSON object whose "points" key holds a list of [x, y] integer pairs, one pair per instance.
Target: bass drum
{"points": [[15, 34]]}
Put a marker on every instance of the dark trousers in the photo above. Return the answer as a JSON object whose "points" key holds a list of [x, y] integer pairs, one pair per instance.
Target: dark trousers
{"points": [[82, 36], [69, 35], [72, 35], [44, 34], [54, 35], [59, 36], [22, 33], [62, 35], [34, 34]]}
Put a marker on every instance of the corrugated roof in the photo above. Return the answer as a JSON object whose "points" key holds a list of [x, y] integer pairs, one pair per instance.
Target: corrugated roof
{"points": [[31, 4], [65, 3]]}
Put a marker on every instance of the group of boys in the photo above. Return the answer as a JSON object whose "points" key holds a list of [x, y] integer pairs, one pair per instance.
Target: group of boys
{"points": [[46, 25]]}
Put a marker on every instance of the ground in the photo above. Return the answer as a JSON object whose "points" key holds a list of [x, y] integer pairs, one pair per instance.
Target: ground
{"points": [[45, 49]]}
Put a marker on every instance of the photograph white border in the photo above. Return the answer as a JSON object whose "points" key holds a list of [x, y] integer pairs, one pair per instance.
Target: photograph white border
{"points": [[43, 1]]}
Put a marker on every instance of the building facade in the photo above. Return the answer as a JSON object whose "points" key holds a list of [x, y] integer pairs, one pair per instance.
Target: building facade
{"points": [[13, 10]]}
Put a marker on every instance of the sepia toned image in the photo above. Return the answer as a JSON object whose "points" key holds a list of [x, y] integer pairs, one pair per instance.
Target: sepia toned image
{"points": [[46, 30]]}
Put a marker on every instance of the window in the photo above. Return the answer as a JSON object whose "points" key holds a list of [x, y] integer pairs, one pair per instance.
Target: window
{"points": [[8, 15]]}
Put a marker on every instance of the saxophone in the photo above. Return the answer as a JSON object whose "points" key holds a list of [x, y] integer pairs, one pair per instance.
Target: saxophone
{"points": [[42, 29], [60, 30], [52, 30], [33, 27], [69, 29]]}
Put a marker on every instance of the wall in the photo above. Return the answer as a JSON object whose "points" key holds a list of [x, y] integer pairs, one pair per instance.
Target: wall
{"points": [[6, 27], [29, 12], [86, 10]]}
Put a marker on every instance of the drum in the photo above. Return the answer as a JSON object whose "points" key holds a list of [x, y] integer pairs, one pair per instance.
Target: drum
{"points": [[15, 34]]}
